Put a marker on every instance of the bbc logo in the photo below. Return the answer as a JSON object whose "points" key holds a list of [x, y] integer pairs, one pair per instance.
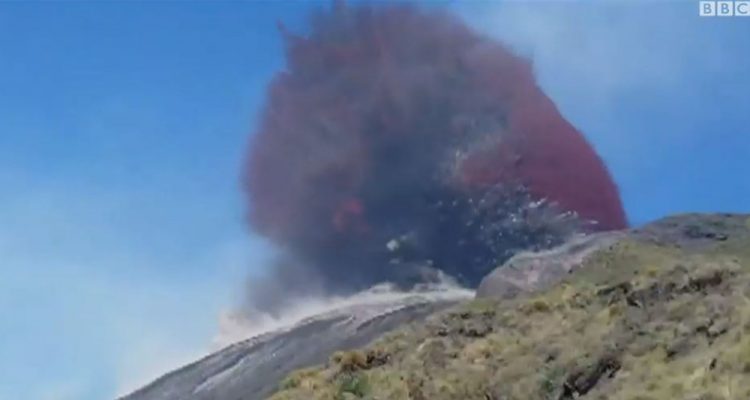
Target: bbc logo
{"points": [[724, 9]]}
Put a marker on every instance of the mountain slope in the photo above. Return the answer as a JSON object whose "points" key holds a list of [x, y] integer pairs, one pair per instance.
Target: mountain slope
{"points": [[661, 313], [252, 369]]}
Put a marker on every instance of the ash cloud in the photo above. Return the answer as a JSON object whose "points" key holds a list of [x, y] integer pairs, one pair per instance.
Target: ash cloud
{"points": [[398, 144]]}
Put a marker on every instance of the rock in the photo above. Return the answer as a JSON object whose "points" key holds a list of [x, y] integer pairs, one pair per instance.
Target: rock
{"points": [[531, 272]]}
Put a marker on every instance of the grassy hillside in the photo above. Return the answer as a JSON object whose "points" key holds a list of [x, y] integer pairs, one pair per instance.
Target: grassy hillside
{"points": [[662, 314]]}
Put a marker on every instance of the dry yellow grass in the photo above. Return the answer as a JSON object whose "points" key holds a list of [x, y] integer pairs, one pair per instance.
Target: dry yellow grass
{"points": [[640, 320]]}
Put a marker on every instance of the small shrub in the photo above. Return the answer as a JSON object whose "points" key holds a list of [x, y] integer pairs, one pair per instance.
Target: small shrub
{"points": [[349, 361], [353, 383], [290, 382]]}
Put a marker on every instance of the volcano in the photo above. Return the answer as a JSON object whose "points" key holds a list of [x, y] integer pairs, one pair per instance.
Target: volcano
{"points": [[399, 146], [397, 142]]}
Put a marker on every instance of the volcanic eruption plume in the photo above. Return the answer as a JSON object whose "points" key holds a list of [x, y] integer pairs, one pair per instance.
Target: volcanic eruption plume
{"points": [[398, 142]]}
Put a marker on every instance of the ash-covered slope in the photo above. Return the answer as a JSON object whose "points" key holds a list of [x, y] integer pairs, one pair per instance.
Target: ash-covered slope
{"points": [[663, 312], [252, 369]]}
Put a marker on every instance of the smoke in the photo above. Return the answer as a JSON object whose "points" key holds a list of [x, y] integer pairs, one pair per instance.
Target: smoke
{"points": [[398, 144], [376, 301]]}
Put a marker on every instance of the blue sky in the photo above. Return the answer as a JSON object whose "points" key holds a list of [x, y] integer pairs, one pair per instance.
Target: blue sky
{"points": [[123, 127]]}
